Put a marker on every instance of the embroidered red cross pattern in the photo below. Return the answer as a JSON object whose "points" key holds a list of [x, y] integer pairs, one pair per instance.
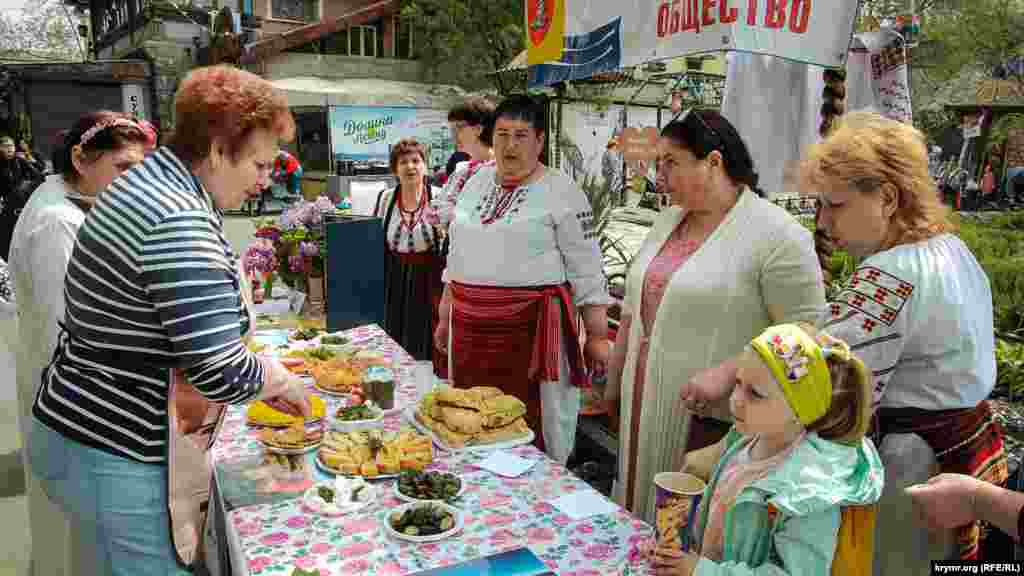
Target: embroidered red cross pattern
{"points": [[888, 316], [858, 300], [855, 281], [836, 309], [904, 289], [880, 295], [872, 275], [868, 325]]}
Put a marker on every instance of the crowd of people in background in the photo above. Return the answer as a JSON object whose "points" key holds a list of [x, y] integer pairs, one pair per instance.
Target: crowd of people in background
{"points": [[728, 363]]}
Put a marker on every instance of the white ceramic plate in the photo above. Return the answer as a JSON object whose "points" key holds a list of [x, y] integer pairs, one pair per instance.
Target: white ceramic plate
{"points": [[311, 500], [352, 425], [410, 416], [334, 393], [404, 498], [290, 451], [333, 471], [422, 539]]}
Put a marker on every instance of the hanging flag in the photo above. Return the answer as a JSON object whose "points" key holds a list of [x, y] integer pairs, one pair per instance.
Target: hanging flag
{"points": [[545, 27], [583, 55]]}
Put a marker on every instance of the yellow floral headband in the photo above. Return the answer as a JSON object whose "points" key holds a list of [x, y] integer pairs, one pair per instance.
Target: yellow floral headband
{"points": [[799, 364]]}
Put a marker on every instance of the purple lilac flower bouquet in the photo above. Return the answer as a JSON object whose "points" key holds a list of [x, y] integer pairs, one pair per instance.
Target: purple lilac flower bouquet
{"points": [[297, 237], [260, 259]]}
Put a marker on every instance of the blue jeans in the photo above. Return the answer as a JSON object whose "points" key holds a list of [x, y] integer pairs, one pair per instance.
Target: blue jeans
{"points": [[117, 507]]}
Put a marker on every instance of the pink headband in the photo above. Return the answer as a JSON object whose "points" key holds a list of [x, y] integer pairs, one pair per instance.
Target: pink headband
{"points": [[97, 128]]}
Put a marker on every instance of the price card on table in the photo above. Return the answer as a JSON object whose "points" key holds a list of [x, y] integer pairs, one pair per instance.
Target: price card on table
{"points": [[506, 464], [584, 504]]}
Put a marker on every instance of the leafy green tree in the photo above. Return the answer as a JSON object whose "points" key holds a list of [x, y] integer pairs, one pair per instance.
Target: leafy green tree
{"points": [[41, 30], [981, 33], [462, 41]]}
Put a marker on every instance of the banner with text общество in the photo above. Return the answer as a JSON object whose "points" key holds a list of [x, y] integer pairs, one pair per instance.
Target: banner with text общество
{"points": [[602, 35]]}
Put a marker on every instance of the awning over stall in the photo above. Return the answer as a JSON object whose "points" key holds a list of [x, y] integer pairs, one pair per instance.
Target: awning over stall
{"points": [[316, 91]]}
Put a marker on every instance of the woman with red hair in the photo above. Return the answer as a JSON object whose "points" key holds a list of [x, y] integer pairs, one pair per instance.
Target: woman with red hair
{"points": [[153, 298]]}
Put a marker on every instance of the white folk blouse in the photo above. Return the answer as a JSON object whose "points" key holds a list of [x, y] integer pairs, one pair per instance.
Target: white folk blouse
{"points": [[920, 317], [545, 237]]}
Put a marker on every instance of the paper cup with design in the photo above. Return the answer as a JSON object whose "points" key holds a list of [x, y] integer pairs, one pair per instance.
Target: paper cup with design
{"points": [[676, 499]]}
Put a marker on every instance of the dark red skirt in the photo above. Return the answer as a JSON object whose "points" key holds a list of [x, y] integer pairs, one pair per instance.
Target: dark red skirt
{"points": [[412, 292]]}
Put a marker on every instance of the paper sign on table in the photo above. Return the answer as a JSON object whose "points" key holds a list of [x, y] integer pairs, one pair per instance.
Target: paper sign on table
{"points": [[506, 464], [584, 504]]}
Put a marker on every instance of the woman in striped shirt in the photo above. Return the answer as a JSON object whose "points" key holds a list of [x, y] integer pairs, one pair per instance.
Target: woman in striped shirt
{"points": [[152, 286]]}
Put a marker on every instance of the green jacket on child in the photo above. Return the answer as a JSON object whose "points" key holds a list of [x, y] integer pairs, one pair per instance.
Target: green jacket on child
{"points": [[787, 522]]}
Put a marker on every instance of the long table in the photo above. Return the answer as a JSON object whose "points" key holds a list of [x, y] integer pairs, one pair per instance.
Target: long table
{"points": [[269, 532]]}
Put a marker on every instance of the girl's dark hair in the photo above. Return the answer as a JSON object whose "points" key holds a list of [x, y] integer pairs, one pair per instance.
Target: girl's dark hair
{"points": [[106, 140], [525, 108], [476, 111], [704, 131]]}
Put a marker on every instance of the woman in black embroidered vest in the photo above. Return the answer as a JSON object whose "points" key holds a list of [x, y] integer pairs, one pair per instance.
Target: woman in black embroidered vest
{"points": [[412, 286]]}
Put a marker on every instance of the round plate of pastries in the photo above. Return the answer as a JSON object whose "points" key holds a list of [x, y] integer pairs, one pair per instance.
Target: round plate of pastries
{"points": [[296, 439], [374, 453], [472, 418], [344, 372]]}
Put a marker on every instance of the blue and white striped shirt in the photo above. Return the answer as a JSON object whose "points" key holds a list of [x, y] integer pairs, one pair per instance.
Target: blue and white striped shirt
{"points": [[152, 285]]}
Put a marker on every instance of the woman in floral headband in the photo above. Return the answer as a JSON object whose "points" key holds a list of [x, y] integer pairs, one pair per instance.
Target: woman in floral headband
{"points": [[96, 150], [796, 455]]}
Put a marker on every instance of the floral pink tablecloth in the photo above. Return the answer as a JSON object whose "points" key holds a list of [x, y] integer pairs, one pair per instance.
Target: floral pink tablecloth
{"points": [[500, 514]]}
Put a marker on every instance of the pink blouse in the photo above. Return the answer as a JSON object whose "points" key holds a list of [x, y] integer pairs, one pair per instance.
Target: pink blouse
{"points": [[673, 254]]}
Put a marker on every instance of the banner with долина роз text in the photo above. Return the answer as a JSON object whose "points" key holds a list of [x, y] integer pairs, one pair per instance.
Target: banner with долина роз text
{"points": [[367, 133], [601, 35]]}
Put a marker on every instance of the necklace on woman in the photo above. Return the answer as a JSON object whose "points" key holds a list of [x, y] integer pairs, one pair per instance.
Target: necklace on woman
{"points": [[409, 220], [411, 217]]}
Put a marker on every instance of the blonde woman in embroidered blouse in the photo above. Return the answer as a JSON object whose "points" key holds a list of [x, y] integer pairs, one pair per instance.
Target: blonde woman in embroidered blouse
{"points": [[412, 286], [718, 267]]}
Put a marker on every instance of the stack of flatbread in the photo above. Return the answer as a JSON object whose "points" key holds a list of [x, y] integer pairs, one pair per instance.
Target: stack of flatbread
{"points": [[473, 416]]}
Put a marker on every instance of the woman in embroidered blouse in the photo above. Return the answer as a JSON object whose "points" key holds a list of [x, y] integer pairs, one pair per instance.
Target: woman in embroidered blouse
{"points": [[523, 258], [718, 266], [472, 126], [412, 271], [918, 309]]}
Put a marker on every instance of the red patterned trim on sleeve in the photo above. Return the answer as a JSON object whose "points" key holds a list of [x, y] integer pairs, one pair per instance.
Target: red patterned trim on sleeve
{"points": [[873, 293]]}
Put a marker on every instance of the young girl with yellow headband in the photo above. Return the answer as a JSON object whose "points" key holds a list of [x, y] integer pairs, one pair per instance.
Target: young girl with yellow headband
{"points": [[796, 456]]}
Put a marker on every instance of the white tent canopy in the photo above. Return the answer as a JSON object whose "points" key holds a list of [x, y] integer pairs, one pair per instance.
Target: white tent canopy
{"points": [[316, 91]]}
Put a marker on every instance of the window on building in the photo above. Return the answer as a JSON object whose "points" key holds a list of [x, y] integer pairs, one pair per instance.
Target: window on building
{"points": [[362, 41], [301, 10], [403, 38]]}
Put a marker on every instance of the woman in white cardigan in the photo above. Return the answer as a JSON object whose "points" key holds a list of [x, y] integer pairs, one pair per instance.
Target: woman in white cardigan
{"points": [[718, 267]]}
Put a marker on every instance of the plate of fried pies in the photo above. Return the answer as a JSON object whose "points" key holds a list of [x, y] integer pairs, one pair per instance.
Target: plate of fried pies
{"points": [[475, 418], [296, 439]]}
